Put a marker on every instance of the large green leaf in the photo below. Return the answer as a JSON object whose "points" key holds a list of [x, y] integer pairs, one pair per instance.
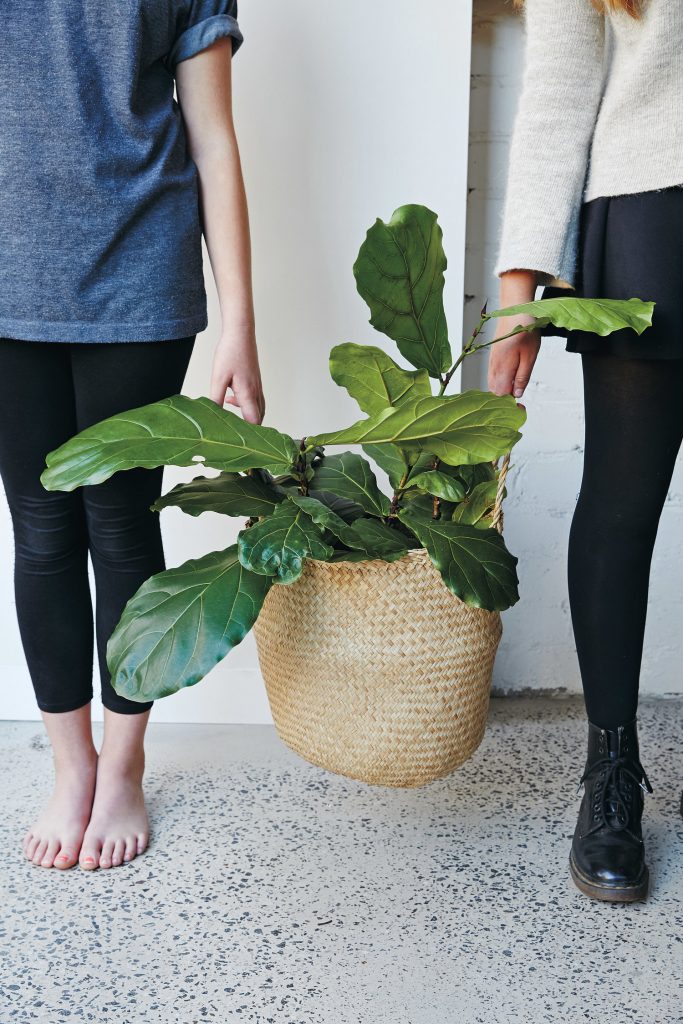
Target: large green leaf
{"points": [[322, 515], [374, 379], [598, 316], [474, 564], [424, 504], [389, 458], [400, 274], [475, 426], [369, 536], [476, 474], [230, 494], [279, 545], [177, 431], [378, 540], [351, 477], [345, 508], [439, 484], [181, 623], [477, 504]]}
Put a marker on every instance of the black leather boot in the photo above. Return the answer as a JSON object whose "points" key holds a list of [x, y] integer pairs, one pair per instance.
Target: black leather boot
{"points": [[607, 859]]}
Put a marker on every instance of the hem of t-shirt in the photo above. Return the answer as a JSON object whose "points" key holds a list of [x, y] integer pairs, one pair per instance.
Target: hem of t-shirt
{"points": [[62, 331], [199, 37]]}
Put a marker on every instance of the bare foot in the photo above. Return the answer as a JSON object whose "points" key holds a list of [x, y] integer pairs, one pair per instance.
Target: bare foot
{"points": [[119, 827], [55, 839]]}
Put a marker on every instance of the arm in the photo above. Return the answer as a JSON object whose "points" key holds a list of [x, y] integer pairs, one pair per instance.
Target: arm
{"points": [[204, 84], [548, 163], [551, 141]]}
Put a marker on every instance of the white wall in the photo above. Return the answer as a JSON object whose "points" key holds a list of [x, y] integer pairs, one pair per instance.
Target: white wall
{"points": [[345, 111], [537, 650]]}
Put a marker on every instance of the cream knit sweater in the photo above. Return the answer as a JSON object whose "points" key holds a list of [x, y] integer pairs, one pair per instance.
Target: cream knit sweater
{"points": [[601, 114]]}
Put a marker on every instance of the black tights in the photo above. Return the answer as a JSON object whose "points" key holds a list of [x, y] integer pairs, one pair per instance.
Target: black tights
{"points": [[634, 427], [49, 392]]}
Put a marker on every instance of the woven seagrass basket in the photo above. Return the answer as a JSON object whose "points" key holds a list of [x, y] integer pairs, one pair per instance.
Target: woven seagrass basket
{"points": [[376, 671]]}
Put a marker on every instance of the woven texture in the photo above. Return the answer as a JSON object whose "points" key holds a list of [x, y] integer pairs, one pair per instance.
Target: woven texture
{"points": [[377, 671]]}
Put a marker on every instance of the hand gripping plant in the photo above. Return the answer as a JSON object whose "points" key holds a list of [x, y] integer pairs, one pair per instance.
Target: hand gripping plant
{"points": [[304, 501]]}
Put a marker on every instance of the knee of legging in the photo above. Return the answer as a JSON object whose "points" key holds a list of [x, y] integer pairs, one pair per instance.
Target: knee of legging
{"points": [[49, 531], [634, 519], [124, 536]]}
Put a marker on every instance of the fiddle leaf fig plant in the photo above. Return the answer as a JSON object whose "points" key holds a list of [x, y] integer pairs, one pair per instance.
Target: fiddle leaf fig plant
{"points": [[304, 501]]}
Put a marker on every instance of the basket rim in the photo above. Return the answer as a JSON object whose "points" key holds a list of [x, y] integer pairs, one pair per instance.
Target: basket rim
{"points": [[343, 563], [420, 556]]}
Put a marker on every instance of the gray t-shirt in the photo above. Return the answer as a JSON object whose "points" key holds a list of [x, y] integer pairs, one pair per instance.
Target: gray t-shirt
{"points": [[100, 236]]}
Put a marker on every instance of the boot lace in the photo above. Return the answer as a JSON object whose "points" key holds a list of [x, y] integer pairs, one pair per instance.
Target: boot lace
{"points": [[612, 795]]}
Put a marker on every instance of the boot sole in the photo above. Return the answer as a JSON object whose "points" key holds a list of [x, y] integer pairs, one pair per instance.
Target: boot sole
{"points": [[608, 893]]}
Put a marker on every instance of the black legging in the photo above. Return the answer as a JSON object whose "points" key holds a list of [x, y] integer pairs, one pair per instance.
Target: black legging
{"points": [[48, 392], [634, 428]]}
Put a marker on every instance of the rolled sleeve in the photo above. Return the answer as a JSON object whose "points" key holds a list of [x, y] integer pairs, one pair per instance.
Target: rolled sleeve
{"points": [[208, 21]]}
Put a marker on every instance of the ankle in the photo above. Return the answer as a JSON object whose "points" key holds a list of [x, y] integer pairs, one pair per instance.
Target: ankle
{"points": [[80, 762], [124, 763]]}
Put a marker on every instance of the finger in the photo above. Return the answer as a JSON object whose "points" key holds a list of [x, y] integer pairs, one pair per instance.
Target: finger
{"points": [[523, 374], [250, 409], [260, 404], [502, 371], [217, 393]]}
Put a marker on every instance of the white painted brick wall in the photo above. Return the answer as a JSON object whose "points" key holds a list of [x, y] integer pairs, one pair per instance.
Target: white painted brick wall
{"points": [[537, 650]]}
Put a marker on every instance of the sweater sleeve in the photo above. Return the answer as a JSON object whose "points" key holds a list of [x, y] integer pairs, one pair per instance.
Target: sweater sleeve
{"points": [[562, 88]]}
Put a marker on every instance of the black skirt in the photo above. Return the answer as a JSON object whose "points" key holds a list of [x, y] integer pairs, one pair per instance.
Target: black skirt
{"points": [[632, 247]]}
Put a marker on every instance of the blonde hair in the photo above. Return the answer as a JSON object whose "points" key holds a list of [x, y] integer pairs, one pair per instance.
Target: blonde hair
{"points": [[632, 7]]}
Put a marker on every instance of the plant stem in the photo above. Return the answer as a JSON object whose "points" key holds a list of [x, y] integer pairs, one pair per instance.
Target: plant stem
{"points": [[301, 467], [398, 494], [470, 347], [467, 348], [436, 502]]}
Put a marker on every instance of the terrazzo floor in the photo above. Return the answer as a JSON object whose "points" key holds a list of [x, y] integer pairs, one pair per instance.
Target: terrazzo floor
{"points": [[276, 893]]}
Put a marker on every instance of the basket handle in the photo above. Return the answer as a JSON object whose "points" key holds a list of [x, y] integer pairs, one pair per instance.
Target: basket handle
{"points": [[497, 516]]}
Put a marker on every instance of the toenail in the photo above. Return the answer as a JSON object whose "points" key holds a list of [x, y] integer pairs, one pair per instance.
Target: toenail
{"points": [[88, 860]]}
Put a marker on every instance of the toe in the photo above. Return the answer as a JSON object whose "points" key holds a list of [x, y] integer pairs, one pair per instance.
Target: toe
{"points": [[142, 839], [30, 846], [48, 859], [39, 852], [117, 855], [90, 854], [131, 848], [106, 855], [68, 854]]}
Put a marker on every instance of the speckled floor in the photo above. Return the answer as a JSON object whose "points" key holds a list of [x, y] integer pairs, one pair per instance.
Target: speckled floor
{"points": [[274, 892]]}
